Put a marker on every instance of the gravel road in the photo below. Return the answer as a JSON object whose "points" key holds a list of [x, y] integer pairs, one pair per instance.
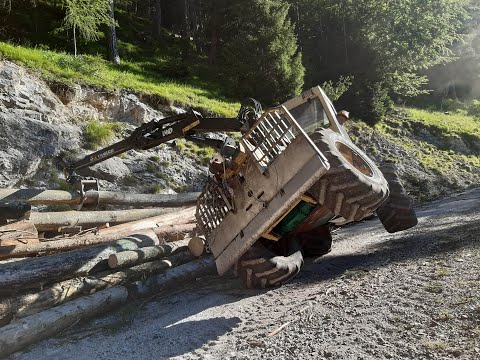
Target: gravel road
{"points": [[412, 295]]}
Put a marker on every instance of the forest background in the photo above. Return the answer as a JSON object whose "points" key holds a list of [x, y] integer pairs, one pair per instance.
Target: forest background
{"points": [[367, 54]]}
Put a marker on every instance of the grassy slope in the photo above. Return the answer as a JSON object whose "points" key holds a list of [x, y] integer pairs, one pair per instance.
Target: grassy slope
{"points": [[427, 137], [131, 75], [444, 128]]}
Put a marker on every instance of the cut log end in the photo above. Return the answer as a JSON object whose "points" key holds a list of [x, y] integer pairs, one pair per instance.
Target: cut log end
{"points": [[196, 246], [112, 261]]}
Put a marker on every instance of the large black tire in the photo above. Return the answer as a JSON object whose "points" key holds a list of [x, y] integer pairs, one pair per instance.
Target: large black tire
{"points": [[260, 268], [353, 187], [397, 212]]}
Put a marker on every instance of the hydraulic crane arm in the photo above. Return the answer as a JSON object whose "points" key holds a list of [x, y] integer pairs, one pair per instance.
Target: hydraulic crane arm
{"points": [[157, 132]]}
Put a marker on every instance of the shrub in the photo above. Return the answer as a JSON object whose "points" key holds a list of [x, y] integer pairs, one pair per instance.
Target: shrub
{"points": [[474, 108], [453, 105], [335, 91], [368, 101], [155, 189]]}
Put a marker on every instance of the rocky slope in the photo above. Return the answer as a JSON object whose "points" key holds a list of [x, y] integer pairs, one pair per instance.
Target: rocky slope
{"points": [[38, 121]]}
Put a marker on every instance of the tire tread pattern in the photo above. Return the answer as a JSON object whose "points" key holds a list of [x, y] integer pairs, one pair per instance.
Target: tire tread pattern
{"points": [[261, 268], [397, 212], [344, 190]]}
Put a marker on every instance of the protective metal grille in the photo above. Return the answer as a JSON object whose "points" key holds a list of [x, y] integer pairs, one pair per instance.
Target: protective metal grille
{"points": [[270, 136], [211, 207]]}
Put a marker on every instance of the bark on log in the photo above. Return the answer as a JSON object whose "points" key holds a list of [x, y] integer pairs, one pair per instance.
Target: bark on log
{"points": [[34, 328], [134, 257], [174, 278], [175, 232], [20, 232], [183, 218], [32, 273], [25, 305], [52, 221], [41, 197], [179, 216]]}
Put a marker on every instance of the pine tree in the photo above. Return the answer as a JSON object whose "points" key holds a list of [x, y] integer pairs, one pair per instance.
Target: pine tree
{"points": [[260, 56], [85, 17]]}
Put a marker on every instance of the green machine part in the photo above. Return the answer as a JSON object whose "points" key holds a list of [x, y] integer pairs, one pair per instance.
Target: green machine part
{"points": [[294, 218]]}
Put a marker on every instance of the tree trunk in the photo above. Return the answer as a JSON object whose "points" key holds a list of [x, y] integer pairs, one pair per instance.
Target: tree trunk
{"points": [[40, 197], [196, 246], [54, 221], [67, 290], [180, 275], [74, 42], [161, 225], [113, 55], [135, 257], [34, 328], [175, 232], [34, 272], [158, 18], [186, 18], [216, 20], [212, 55]]}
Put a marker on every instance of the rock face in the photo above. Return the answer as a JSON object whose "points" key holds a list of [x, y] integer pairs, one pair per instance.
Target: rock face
{"points": [[38, 121], [33, 124]]}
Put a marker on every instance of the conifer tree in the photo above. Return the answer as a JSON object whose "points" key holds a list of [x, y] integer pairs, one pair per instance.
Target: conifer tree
{"points": [[85, 17], [260, 56]]}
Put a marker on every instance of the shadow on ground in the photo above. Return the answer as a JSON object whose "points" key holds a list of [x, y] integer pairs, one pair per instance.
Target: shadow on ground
{"points": [[169, 325], [426, 241]]}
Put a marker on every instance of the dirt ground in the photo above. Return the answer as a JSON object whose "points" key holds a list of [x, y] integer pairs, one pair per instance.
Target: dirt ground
{"points": [[412, 295]]}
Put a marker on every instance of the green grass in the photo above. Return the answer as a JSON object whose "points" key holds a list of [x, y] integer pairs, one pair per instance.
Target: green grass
{"points": [[443, 127], [203, 154], [455, 123], [136, 76], [97, 134]]}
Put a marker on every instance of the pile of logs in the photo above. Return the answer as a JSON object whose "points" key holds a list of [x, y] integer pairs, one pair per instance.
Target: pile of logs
{"points": [[57, 268]]}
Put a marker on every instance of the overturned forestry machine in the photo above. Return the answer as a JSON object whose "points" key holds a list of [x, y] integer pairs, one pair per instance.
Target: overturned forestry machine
{"points": [[272, 196]]}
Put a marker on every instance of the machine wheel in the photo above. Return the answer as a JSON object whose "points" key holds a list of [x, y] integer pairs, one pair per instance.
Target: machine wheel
{"points": [[261, 268], [397, 212], [353, 187]]}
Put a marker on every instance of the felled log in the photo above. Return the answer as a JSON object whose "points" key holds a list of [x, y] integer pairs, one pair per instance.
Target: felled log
{"points": [[134, 257], [20, 232], [39, 197], [174, 278], [161, 224], [179, 216], [175, 232], [34, 328], [52, 221], [32, 273], [28, 304]]}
